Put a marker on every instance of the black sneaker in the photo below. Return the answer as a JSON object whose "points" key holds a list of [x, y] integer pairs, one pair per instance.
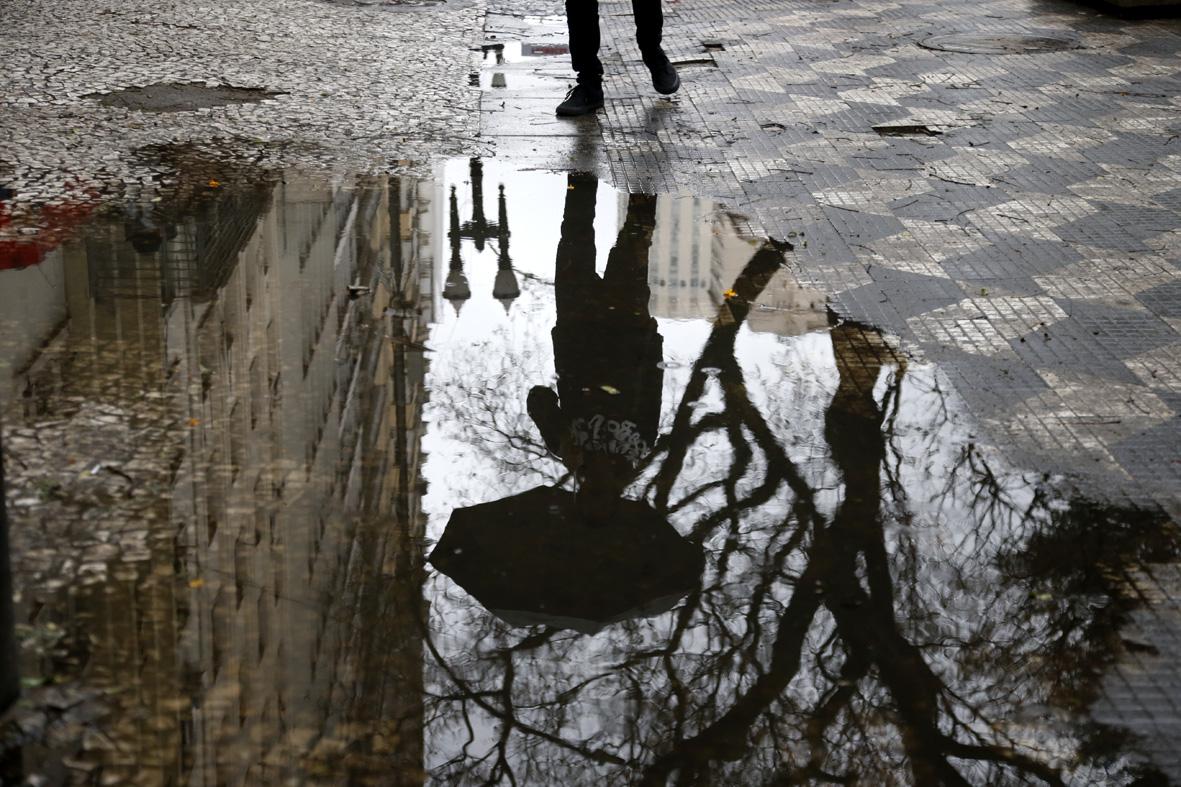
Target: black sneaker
{"points": [[665, 78], [581, 100]]}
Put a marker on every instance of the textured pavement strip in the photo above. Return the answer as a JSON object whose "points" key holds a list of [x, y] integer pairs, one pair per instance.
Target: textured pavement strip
{"points": [[1032, 248]]}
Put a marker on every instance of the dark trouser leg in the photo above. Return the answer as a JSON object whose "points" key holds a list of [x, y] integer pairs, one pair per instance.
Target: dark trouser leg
{"points": [[575, 281], [626, 277], [582, 21], [649, 29]]}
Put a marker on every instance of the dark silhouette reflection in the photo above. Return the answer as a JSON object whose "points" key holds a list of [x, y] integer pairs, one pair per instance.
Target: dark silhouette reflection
{"points": [[881, 603], [585, 559], [456, 288], [607, 352], [532, 559]]}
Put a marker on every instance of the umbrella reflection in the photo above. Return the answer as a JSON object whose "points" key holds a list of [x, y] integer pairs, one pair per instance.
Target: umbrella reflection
{"points": [[530, 560]]}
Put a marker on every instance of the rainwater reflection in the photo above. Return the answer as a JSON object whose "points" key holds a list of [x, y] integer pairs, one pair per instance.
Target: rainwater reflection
{"points": [[688, 531]]}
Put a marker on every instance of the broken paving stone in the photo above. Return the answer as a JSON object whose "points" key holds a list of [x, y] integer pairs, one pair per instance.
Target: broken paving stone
{"points": [[907, 130]]}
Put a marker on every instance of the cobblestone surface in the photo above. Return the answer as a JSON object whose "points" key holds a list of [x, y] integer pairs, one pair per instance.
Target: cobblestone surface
{"points": [[361, 88]]}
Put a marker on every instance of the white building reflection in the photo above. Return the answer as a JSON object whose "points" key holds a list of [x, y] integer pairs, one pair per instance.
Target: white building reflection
{"points": [[698, 252], [264, 354]]}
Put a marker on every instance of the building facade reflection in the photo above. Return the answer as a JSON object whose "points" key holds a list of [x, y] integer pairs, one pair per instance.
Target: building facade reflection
{"points": [[219, 448], [260, 370], [697, 254]]}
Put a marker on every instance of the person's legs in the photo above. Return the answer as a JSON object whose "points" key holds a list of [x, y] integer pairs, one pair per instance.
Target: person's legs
{"points": [[575, 281], [626, 277], [649, 31], [582, 22]]}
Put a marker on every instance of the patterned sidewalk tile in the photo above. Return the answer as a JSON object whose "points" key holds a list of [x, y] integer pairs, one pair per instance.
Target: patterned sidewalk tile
{"points": [[1024, 232]]}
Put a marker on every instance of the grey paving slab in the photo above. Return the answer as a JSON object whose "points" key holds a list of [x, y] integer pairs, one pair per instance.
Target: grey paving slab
{"points": [[1067, 344], [1050, 170], [1164, 300], [1123, 331]]}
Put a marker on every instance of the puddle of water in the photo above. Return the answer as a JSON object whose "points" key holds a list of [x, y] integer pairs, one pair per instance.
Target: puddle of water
{"points": [[999, 44], [680, 527], [181, 97], [538, 53]]}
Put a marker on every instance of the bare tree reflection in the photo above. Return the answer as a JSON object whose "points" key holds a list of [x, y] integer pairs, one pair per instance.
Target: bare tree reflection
{"points": [[883, 605]]}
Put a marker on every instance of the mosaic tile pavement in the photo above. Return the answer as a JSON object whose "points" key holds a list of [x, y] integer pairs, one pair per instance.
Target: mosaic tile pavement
{"points": [[1030, 244], [1029, 241]]}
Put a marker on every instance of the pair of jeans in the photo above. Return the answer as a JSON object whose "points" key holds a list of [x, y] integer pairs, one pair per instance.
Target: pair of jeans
{"points": [[582, 20]]}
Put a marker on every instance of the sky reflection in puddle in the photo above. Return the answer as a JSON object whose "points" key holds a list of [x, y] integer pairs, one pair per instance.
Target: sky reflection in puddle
{"points": [[220, 406]]}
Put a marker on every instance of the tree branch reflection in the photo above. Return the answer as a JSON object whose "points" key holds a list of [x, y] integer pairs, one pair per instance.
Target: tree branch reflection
{"points": [[866, 611]]}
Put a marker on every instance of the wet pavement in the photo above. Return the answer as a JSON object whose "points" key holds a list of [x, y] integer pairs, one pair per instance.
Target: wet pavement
{"points": [[683, 524], [994, 183], [345, 86], [364, 423]]}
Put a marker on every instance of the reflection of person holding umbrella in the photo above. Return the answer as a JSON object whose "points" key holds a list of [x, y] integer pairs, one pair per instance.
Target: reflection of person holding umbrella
{"points": [[607, 351], [530, 557], [144, 229]]}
